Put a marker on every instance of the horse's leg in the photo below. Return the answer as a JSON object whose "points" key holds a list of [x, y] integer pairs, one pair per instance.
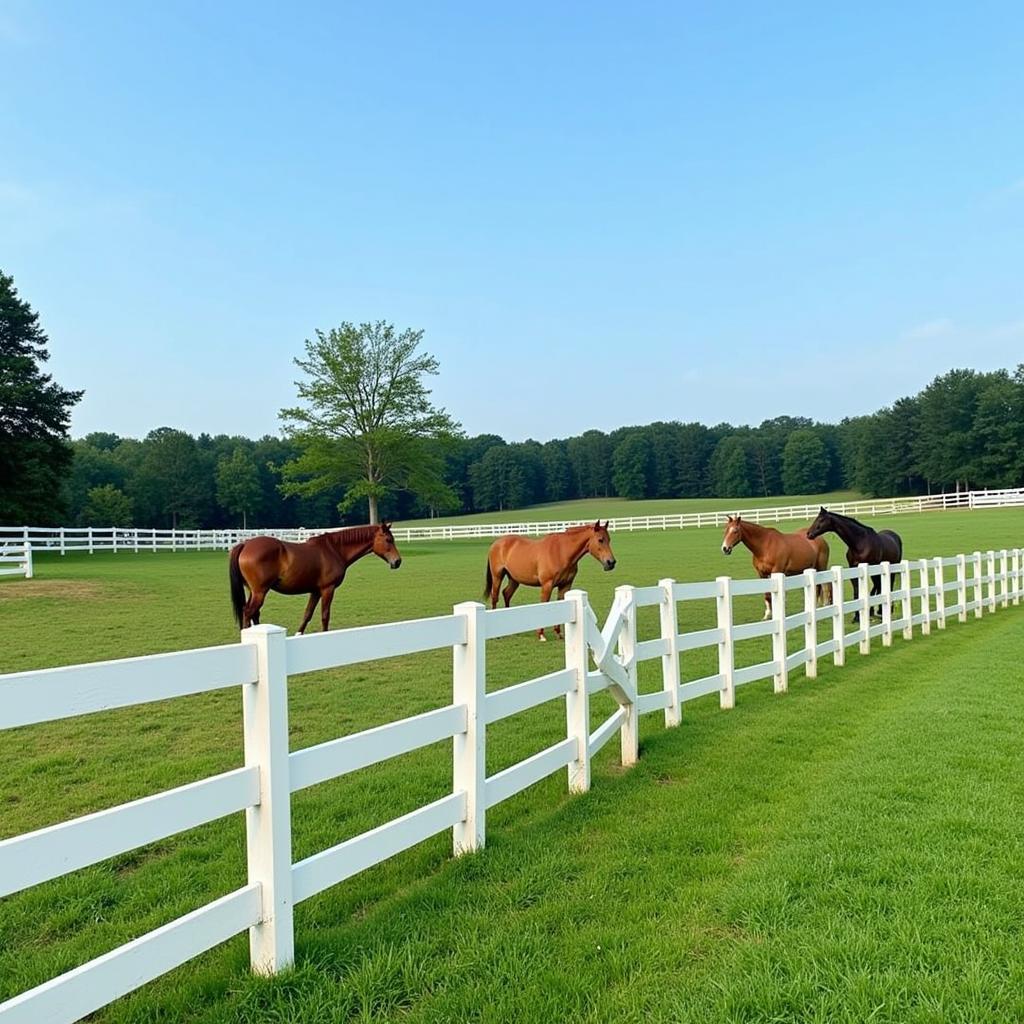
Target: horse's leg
{"points": [[496, 581], [509, 590], [253, 606], [326, 597], [310, 608], [767, 601], [856, 586], [545, 596]]}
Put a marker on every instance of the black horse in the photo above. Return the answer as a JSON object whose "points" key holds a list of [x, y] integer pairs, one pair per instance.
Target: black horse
{"points": [[862, 545]]}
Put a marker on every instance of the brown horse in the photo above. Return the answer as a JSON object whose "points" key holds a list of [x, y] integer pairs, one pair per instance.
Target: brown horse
{"points": [[546, 562], [788, 553], [315, 567]]}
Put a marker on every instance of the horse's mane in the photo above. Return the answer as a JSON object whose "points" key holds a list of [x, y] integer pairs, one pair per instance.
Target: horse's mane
{"points": [[848, 519], [350, 534], [578, 529]]}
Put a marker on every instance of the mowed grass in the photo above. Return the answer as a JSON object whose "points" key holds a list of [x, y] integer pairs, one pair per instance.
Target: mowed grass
{"points": [[849, 851], [611, 508]]}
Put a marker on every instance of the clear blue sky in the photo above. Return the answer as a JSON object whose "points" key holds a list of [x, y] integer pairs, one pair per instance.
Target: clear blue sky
{"points": [[600, 214]]}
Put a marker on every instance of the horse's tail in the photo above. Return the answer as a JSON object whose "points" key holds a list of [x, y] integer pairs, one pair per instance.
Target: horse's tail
{"points": [[488, 581], [237, 582]]}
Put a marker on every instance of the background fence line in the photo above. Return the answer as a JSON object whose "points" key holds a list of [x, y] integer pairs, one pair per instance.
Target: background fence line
{"points": [[265, 659], [93, 539]]}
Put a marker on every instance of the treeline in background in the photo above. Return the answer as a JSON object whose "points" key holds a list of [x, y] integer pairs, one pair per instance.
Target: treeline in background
{"points": [[965, 430]]}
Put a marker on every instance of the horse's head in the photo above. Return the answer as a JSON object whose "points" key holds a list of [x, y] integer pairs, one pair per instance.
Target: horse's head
{"points": [[600, 545], [822, 523], [733, 534], [384, 546]]}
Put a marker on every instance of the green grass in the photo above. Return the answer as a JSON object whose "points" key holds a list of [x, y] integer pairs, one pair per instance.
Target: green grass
{"points": [[611, 508], [850, 851]]}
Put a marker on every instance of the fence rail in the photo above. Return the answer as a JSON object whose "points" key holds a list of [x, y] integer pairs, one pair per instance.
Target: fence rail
{"points": [[15, 560], [261, 788], [93, 539]]}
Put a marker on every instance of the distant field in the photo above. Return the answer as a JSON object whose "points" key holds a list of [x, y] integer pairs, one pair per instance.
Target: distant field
{"points": [[851, 851], [610, 508]]}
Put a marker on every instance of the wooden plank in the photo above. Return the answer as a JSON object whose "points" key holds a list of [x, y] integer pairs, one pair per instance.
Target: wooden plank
{"points": [[826, 647], [699, 638], [648, 649], [761, 670], [657, 701], [644, 597], [797, 658], [50, 694], [512, 780], [606, 730], [85, 989], [699, 687], [54, 851], [327, 868], [750, 630], [525, 618], [741, 588], [797, 619], [513, 699], [328, 760], [368, 643], [596, 682], [694, 591]]}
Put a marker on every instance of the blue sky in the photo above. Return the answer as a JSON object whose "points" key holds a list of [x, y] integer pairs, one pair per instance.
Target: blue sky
{"points": [[600, 214]]}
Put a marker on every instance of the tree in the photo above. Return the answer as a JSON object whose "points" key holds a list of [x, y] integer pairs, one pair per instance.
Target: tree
{"points": [[170, 479], [34, 416], [804, 463], [107, 506], [238, 484], [632, 465], [366, 418], [730, 468]]}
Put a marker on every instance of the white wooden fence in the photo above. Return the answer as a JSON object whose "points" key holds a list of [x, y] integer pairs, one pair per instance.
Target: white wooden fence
{"points": [[93, 539], [16, 561], [923, 594]]}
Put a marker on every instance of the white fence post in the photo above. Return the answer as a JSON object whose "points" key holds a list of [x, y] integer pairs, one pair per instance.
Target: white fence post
{"points": [[1017, 582], [979, 600], [1004, 578], [838, 617], [90, 540], [906, 603], [63, 541], [630, 731], [864, 583], [268, 824], [940, 592], [991, 578], [577, 700], [886, 579], [778, 589], [811, 626], [961, 587], [29, 570], [926, 596], [469, 759], [727, 693], [668, 612]]}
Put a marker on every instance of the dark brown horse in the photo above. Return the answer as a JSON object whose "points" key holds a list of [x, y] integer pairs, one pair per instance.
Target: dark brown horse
{"points": [[315, 567], [545, 562], [863, 544], [788, 553]]}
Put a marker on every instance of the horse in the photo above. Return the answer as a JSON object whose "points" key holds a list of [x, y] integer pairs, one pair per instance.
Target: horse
{"points": [[789, 553], [545, 562], [316, 567], [862, 545]]}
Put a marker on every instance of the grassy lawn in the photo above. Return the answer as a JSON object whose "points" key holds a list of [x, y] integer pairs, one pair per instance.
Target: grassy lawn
{"points": [[610, 508], [849, 851]]}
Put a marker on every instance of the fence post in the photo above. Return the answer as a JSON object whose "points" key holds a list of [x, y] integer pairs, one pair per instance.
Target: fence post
{"points": [[668, 611], [991, 578], [940, 592], [886, 579], [811, 626], [1004, 578], [63, 541], [838, 617], [723, 603], [469, 750], [268, 825], [778, 591], [906, 603], [630, 731], [577, 700], [926, 597], [979, 600], [29, 571], [864, 582], [113, 538], [90, 540], [1017, 583], [961, 587]]}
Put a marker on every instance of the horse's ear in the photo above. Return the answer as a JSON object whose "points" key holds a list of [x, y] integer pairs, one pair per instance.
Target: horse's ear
{"points": [[738, 518], [821, 510], [597, 525]]}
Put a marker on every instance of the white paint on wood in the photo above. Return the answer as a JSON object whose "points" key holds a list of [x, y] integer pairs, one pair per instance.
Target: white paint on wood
{"points": [[469, 748]]}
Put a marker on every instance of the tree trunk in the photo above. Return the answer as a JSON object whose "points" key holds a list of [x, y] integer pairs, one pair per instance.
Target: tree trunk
{"points": [[373, 509], [245, 520]]}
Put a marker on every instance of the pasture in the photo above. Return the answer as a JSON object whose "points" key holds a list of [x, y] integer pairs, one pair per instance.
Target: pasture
{"points": [[850, 850]]}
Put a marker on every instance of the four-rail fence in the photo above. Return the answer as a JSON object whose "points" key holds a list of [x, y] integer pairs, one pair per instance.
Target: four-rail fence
{"points": [[921, 594], [64, 539]]}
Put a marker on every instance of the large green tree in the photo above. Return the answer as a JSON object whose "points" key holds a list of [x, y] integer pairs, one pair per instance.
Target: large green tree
{"points": [[804, 462], [238, 484], [34, 415], [366, 417]]}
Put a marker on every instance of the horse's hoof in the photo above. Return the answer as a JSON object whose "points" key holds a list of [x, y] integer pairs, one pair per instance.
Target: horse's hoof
{"points": [[542, 638]]}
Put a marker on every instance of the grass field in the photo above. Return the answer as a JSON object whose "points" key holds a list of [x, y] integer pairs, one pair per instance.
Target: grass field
{"points": [[610, 508], [849, 851]]}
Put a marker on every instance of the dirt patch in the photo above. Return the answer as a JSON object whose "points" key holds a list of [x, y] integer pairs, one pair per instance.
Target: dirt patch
{"points": [[64, 590]]}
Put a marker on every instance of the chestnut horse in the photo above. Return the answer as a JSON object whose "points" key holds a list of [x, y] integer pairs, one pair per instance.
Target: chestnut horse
{"points": [[546, 562], [788, 553], [315, 567]]}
